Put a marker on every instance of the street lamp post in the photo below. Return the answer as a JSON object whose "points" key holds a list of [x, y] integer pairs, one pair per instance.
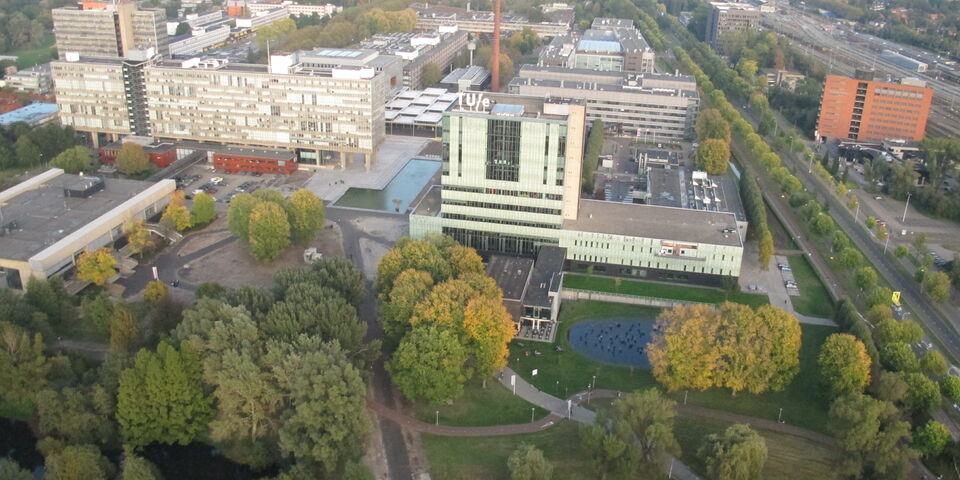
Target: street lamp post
{"points": [[438, 417], [532, 409], [904, 219]]}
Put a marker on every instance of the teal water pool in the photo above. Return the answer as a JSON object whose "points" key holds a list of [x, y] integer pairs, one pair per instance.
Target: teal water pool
{"points": [[398, 194]]}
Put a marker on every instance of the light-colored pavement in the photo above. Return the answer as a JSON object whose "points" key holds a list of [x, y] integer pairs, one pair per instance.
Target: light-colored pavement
{"points": [[331, 183], [770, 282]]}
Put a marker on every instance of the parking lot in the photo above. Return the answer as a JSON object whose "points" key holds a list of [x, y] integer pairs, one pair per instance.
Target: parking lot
{"points": [[224, 186], [786, 275]]}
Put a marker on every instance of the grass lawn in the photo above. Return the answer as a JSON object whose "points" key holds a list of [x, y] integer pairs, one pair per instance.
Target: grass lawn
{"points": [[788, 457], [457, 458], [33, 56], [568, 372], [814, 300], [479, 406], [661, 290]]}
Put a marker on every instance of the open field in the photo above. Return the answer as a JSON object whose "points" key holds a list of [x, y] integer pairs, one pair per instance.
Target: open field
{"points": [[479, 406], [813, 299]]}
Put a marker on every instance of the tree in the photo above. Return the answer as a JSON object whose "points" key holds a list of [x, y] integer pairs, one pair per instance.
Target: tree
{"points": [[204, 211], [238, 215], [124, 331], [23, 365], [844, 364], [78, 462], [132, 159], [871, 435], [713, 155], [74, 160], [96, 266], [739, 453], [427, 254], [936, 285], [328, 422], [889, 387], [183, 29], [429, 364], [866, 278], [931, 438], [899, 357], [528, 463], [430, 75], [28, 153], [269, 231], [711, 124], [766, 248], [155, 291], [135, 467], [138, 237], [893, 331], [920, 243], [950, 387], [901, 251], [409, 288], [591, 156], [940, 158], [731, 346], [923, 394], [10, 470], [648, 417], [902, 179], [306, 215], [933, 363], [176, 215], [160, 399], [70, 415], [490, 328], [610, 453]]}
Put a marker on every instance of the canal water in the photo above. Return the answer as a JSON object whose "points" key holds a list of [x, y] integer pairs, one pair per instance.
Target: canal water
{"points": [[397, 195]]}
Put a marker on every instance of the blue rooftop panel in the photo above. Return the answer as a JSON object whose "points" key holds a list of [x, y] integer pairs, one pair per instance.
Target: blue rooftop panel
{"points": [[507, 109], [598, 46], [29, 114]]}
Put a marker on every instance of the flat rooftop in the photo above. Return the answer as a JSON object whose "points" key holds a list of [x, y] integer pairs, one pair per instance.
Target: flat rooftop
{"points": [[603, 87], [429, 205], [36, 219], [545, 277], [510, 273], [527, 106], [29, 113], [648, 221]]}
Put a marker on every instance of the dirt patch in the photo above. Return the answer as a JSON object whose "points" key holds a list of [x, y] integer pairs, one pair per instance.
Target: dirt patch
{"points": [[232, 265]]}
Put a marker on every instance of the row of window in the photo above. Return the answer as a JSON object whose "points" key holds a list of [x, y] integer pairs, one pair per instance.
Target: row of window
{"points": [[499, 191], [501, 221], [503, 206]]}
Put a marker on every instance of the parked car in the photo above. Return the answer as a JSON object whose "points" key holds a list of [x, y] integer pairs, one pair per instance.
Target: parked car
{"points": [[217, 180], [197, 191], [211, 191], [790, 284], [784, 267]]}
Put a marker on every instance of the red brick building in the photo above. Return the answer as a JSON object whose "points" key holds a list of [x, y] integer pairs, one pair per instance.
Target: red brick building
{"points": [[161, 154], [235, 160], [868, 110]]}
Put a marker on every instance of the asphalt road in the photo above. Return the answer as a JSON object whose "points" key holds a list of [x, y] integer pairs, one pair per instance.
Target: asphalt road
{"points": [[398, 458]]}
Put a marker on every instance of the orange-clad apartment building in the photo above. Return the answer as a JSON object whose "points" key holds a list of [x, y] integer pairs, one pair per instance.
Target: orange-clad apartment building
{"points": [[869, 110]]}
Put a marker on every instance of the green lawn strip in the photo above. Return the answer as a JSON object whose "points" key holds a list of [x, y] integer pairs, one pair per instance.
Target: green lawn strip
{"points": [[479, 406], [32, 56], [661, 290], [942, 465], [788, 457], [567, 372], [814, 300], [456, 458]]}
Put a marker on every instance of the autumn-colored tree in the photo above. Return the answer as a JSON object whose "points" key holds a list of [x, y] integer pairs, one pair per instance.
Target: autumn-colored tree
{"points": [[138, 237], [711, 124], [176, 215], [269, 231], [155, 291], [124, 332], [732, 346], [844, 364], [489, 328], [97, 266], [306, 215], [426, 254], [683, 352], [713, 156], [766, 249], [132, 159]]}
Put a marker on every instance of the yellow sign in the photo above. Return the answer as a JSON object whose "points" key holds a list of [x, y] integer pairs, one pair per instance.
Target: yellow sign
{"points": [[896, 298]]}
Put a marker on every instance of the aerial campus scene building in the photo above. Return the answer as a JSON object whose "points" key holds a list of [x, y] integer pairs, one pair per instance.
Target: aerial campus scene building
{"points": [[413, 240]]}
